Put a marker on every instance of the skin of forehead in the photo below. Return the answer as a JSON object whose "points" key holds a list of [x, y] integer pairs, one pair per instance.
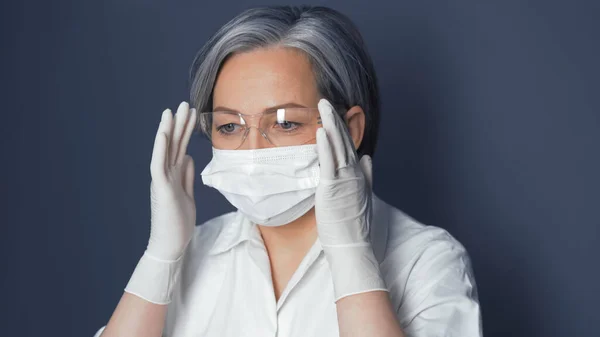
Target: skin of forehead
{"points": [[255, 81]]}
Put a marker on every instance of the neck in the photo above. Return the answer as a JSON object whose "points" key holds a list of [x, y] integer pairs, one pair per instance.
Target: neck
{"points": [[287, 246], [296, 237]]}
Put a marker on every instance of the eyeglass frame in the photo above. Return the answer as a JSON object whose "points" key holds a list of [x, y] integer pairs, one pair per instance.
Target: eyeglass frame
{"points": [[245, 118]]}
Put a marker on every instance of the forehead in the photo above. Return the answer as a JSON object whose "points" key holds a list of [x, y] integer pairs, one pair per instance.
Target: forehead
{"points": [[265, 77]]}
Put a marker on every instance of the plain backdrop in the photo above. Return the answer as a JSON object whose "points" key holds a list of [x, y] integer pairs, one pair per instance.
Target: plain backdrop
{"points": [[490, 128]]}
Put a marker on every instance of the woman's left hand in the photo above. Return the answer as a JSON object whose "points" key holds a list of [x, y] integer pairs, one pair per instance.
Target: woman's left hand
{"points": [[343, 208]]}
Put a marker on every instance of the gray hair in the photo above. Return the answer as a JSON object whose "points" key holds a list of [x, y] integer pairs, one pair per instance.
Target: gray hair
{"points": [[342, 67]]}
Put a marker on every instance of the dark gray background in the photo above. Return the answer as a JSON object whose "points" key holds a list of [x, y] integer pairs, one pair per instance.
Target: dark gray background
{"points": [[490, 128]]}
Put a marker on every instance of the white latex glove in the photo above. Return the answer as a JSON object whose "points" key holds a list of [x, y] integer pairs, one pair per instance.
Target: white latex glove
{"points": [[173, 210], [343, 209]]}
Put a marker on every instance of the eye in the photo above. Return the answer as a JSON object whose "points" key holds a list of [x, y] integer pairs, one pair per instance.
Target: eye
{"points": [[227, 128], [287, 125]]}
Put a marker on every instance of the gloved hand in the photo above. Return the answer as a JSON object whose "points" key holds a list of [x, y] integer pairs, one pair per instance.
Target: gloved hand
{"points": [[173, 210], [172, 188], [343, 209]]}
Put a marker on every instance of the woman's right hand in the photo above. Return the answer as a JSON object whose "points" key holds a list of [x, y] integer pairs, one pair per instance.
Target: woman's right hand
{"points": [[143, 307], [173, 209]]}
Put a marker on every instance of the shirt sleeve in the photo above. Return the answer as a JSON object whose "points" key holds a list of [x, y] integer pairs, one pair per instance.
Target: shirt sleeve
{"points": [[439, 292]]}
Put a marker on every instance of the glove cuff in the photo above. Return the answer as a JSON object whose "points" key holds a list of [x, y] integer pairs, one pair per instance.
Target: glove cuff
{"points": [[354, 270], [154, 280]]}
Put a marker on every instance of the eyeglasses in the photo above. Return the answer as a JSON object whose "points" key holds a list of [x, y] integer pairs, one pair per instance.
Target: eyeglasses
{"points": [[227, 130]]}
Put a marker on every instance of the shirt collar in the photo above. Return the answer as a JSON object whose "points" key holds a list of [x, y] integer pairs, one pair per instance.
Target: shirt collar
{"points": [[239, 228], [236, 230]]}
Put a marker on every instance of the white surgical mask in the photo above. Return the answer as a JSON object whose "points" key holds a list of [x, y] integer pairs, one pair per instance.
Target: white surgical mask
{"points": [[272, 186]]}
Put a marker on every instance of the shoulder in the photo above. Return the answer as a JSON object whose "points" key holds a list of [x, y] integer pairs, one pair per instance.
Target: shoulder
{"points": [[206, 234], [430, 278], [204, 242], [420, 256], [198, 254], [196, 271], [410, 241]]}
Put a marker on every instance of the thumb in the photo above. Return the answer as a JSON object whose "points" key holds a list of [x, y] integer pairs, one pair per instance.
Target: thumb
{"points": [[188, 175], [366, 164]]}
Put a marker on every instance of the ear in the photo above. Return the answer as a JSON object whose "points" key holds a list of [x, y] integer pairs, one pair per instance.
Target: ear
{"points": [[355, 120]]}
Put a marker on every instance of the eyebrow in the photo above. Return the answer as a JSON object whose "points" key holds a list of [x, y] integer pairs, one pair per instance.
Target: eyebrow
{"points": [[280, 106]]}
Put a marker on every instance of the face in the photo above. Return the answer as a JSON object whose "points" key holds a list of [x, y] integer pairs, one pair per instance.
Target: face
{"points": [[267, 79]]}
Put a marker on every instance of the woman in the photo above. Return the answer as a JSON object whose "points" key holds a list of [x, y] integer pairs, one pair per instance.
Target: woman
{"points": [[286, 95]]}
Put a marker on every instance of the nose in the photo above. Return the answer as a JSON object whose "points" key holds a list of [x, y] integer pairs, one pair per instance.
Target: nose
{"points": [[255, 140]]}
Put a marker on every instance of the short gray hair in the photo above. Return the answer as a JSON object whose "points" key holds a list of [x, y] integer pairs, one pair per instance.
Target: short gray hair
{"points": [[342, 67]]}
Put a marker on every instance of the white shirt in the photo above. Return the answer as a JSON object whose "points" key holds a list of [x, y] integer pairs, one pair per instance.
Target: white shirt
{"points": [[226, 287]]}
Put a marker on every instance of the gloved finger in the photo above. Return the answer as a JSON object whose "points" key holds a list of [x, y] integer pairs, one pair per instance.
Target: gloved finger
{"points": [[325, 152], [187, 134], [180, 118], [343, 148], [348, 141], [366, 164], [330, 125], [188, 176], [159, 152], [159, 157], [166, 126]]}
